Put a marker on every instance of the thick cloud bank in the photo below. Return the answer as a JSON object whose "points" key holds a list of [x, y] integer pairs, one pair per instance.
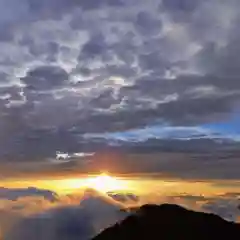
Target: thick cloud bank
{"points": [[83, 216]]}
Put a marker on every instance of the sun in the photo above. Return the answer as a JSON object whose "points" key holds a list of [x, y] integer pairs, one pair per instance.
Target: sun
{"points": [[102, 183], [105, 183]]}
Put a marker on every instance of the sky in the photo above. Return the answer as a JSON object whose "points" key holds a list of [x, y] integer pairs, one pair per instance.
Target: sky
{"points": [[76, 68], [134, 87]]}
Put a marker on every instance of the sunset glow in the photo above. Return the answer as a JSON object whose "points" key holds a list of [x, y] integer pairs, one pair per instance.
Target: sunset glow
{"points": [[105, 183], [109, 105], [102, 183]]}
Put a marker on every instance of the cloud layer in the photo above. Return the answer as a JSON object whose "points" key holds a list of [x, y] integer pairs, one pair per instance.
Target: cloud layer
{"points": [[66, 218], [81, 217], [70, 67]]}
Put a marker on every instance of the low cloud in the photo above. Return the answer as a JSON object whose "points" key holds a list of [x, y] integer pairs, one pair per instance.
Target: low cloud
{"points": [[66, 219], [80, 216], [225, 205], [15, 194]]}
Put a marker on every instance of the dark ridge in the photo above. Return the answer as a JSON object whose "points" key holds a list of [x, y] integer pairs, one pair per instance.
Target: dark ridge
{"points": [[169, 221]]}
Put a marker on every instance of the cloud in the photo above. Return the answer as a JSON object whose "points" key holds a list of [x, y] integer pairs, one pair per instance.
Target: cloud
{"points": [[160, 132], [15, 194], [61, 224], [81, 221], [126, 198], [227, 209], [75, 67], [45, 78], [182, 6], [224, 205], [80, 216]]}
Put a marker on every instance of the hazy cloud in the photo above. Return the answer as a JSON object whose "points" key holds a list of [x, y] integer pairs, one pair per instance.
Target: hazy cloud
{"points": [[85, 220], [82, 221], [15, 194], [81, 215]]}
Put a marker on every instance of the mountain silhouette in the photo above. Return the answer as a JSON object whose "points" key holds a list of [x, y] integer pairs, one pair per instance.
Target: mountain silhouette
{"points": [[170, 221]]}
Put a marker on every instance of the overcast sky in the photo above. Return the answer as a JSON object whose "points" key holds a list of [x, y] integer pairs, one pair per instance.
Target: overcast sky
{"points": [[72, 71]]}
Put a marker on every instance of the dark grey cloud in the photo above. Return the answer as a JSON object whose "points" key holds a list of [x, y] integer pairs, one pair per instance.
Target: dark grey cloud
{"points": [[180, 5], [75, 67], [89, 5], [44, 143], [49, 48], [95, 47], [45, 78], [32, 10], [147, 25], [189, 161], [52, 9], [222, 61]]}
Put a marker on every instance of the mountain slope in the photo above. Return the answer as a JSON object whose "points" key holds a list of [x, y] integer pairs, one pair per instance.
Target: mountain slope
{"points": [[170, 222]]}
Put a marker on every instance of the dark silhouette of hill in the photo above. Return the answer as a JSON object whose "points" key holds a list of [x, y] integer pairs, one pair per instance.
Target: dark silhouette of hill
{"points": [[169, 221]]}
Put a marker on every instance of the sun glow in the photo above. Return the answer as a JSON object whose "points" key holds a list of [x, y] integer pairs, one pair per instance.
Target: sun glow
{"points": [[102, 183], [105, 183]]}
